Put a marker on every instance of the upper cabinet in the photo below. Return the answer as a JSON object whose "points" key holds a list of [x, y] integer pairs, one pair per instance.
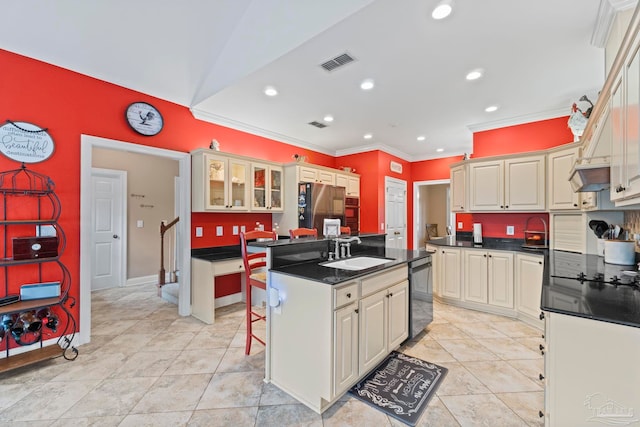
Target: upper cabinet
{"points": [[511, 184], [266, 187], [560, 192], [459, 188], [350, 182], [313, 174], [219, 183]]}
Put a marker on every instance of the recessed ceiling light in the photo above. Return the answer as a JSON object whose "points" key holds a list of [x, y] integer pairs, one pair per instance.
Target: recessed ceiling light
{"points": [[475, 74], [420, 138], [440, 150], [270, 91], [328, 118], [367, 136], [491, 108], [367, 84], [442, 10]]}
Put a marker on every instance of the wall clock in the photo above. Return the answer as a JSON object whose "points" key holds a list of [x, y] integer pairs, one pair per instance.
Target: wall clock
{"points": [[144, 118]]}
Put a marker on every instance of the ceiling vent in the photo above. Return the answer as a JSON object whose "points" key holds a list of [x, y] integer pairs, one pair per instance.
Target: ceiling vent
{"points": [[337, 62], [318, 124]]}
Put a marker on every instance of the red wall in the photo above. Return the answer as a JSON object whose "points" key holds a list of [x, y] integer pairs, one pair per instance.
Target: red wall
{"points": [[495, 224], [434, 169]]}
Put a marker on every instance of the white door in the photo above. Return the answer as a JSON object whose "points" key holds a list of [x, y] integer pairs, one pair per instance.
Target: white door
{"points": [[107, 227], [396, 213]]}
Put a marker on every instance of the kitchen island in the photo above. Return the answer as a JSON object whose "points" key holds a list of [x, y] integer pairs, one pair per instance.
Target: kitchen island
{"points": [[329, 327]]}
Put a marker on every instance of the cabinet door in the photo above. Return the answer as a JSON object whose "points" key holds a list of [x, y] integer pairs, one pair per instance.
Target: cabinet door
{"points": [[500, 279], [373, 331], [345, 350], [275, 188], [238, 185], [398, 314], [458, 188], [561, 195], [306, 174], [435, 268], [325, 177], [216, 190], [450, 273], [616, 191], [525, 183], [528, 276], [632, 125], [260, 191], [342, 181], [353, 186], [475, 275], [486, 182]]}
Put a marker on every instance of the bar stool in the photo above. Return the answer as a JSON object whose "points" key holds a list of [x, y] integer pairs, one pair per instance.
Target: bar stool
{"points": [[255, 274], [301, 232]]}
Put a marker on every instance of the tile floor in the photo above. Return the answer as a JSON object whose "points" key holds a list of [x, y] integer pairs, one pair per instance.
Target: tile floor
{"points": [[146, 366]]}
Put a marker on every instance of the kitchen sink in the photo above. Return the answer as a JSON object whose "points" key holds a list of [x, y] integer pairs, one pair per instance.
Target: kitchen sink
{"points": [[357, 263]]}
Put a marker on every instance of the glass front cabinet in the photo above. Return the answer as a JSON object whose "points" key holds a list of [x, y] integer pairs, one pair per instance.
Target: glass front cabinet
{"points": [[267, 187], [223, 181]]}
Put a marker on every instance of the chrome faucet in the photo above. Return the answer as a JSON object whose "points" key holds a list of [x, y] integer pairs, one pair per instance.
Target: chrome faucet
{"points": [[345, 244]]}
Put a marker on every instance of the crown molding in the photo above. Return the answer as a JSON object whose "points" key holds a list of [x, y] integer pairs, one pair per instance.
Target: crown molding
{"points": [[513, 121], [230, 123], [381, 147], [604, 21]]}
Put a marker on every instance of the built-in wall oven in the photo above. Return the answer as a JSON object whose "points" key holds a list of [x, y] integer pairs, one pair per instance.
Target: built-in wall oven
{"points": [[352, 213]]}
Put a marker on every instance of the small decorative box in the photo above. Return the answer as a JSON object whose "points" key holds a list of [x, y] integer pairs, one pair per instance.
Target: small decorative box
{"points": [[34, 247], [40, 290]]}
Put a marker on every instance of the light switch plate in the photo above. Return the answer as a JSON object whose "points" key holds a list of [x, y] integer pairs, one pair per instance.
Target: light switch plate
{"points": [[139, 223], [218, 230], [235, 230], [243, 228], [459, 225], [510, 230], [198, 231]]}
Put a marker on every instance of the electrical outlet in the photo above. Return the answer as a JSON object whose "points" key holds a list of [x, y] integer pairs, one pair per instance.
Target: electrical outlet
{"points": [[235, 230], [198, 231], [510, 230], [460, 226], [243, 228], [218, 230]]}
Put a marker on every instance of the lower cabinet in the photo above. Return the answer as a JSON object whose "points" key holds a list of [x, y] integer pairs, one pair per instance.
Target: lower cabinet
{"points": [[488, 277], [322, 339], [450, 273], [529, 275], [591, 372]]}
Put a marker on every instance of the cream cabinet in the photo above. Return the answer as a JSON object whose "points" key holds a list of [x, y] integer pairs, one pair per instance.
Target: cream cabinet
{"points": [[219, 183], [450, 272], [342, 331], [560, 192], [488, 277], [435, 267], [203, 286], [591, 372], [513, 184], [351, 184], [529, 270], [266, 187], [314, 174], [459, 188]]}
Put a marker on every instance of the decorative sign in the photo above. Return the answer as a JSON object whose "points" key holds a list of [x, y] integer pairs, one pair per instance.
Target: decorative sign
{"points": [[25, 142], [395, 167]]}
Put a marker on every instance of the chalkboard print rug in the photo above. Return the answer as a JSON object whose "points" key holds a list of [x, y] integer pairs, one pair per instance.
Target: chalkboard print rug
{"points": [[401, 386]]}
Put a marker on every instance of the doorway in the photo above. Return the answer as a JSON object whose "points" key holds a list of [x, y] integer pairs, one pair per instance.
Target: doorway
{"points": [[88, 143], [395, 213], [431, 206]]}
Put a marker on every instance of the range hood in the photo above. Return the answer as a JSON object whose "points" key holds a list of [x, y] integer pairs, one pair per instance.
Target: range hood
{"points": [[590, 174]]}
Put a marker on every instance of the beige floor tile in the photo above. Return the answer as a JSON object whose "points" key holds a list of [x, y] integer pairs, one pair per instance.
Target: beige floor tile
{"points": [[436, 415], [47, 403], [501, 377], [272, 395], [126, 344], [170, 341], [430, 351], [166, 419], [459, 381], [531, 368], [508, 348], [173, 394], [232, 389], [467, 350], [146, 364], [236, 417], [482, 410], [208, 338], [235, 360], [446, 331], [287, 415], [12, 393], [112, 327], [527, 405], [108, 421], [94, 366], [479, 330], [353, 412], [111, 397], [515, 328], [196, 362]]}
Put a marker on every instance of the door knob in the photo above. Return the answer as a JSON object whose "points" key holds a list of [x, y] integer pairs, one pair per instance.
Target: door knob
{"points": [[115, 236]]}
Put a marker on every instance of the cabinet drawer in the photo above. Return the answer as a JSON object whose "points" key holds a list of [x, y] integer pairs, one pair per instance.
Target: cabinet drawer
{"points": [[220, 268], [380, 281], [345, 295]]}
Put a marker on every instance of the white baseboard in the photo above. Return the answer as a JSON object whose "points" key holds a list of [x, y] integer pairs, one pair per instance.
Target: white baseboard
{"points": [[143, 280]]}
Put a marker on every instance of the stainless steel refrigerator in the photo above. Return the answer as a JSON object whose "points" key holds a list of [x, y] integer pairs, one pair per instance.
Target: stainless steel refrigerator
{"points": [[317, 202]]}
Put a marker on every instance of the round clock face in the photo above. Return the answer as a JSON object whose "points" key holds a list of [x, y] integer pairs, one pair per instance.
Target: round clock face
{"points": [[144, 118]]}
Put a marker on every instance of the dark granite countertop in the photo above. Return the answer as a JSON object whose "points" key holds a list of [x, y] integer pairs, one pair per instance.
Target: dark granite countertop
{"points": [[489, 243], [313, 270], [217, 253], [598, 301]]}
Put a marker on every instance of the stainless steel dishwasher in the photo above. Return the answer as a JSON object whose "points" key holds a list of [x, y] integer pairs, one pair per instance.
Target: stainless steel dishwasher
{"points": [[421, 295]]}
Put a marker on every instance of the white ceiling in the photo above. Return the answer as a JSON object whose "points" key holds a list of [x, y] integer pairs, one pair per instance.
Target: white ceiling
{"points": [[216, 57]]}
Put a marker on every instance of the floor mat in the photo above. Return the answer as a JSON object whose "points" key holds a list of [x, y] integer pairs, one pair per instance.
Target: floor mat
{"points": [[401, 386]]}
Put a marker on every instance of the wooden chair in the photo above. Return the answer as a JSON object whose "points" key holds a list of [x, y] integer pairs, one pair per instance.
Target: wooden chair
{"points": [[300, 232], [255, 274], [345, 230]]}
